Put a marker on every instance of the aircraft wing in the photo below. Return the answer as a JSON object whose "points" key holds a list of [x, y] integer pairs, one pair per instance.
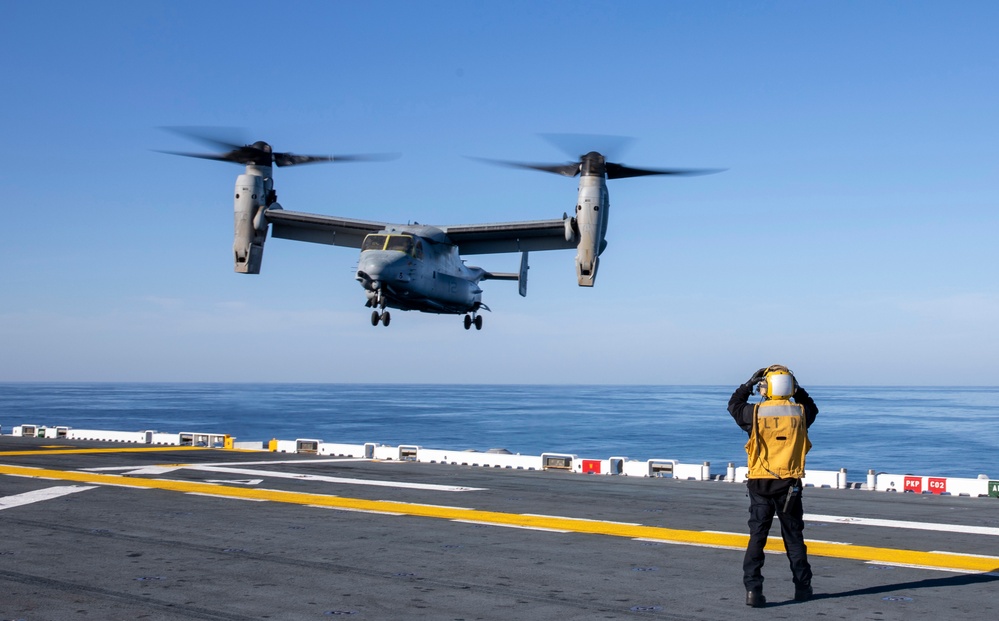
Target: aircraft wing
{"points": [[509, 236], [320, 229], [494, 238]]}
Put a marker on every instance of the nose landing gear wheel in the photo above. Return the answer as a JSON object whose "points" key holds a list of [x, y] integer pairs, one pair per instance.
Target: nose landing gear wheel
{"points": [[384, 318], [374, 318], [468, 321]]}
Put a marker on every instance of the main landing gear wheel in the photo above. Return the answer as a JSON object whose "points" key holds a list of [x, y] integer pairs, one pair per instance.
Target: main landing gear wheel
{"points": [[385, 318], [477, 321]]}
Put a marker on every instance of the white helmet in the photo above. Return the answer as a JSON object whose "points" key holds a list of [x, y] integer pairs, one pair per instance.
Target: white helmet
{"points": [[778, 383]]}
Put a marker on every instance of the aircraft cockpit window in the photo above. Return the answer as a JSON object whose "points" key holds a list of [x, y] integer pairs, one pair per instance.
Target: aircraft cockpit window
{"points": [[373, 242], [402, 243], [399, 243]]}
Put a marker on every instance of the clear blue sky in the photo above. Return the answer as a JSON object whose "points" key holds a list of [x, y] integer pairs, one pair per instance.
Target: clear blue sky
{"points": [[852, 238]]}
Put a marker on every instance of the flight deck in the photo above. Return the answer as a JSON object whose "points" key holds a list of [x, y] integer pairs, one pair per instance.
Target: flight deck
{"points": [[104, 530]]}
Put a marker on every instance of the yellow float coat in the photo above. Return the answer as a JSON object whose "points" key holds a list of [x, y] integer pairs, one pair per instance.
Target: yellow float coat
{"points": [[779, 441]]}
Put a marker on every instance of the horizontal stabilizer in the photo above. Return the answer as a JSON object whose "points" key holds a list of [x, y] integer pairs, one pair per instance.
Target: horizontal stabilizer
{"points": [[520, 277]]}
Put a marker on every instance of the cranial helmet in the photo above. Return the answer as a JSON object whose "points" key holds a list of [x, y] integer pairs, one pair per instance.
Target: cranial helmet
{"points": [[778, 383]]}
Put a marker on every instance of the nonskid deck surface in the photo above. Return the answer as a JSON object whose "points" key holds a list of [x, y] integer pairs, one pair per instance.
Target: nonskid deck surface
{"points": [[104, 531]]}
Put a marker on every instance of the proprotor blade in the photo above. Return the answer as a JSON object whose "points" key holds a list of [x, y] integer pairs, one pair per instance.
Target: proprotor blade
{"points": [[575, 145], [290, 159], [223, 138], [259, 153], [619, 171], [568, 170], [203, 156]]}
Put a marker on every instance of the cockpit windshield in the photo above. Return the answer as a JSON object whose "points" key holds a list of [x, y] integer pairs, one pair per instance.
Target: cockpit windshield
{"points": [[374, 242], [402, 243], [399, 243]]}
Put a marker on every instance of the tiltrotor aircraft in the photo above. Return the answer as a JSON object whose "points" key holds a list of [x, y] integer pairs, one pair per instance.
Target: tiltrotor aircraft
{"points": [[414, 266]]}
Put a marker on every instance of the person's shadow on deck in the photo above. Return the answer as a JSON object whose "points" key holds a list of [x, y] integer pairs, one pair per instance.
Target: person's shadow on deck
{"points": [[949, 581]]}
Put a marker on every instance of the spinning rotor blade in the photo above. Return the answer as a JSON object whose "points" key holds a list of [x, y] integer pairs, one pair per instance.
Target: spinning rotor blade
{"points": [[619, 171], [594, 161], [568, 170], [261, 154], [575, 144], [223, 138], [203, 156], [290, 159], [614, 171]]}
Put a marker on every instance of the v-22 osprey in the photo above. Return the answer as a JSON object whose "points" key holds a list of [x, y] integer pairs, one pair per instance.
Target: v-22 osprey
{"points": [[414, 266]]}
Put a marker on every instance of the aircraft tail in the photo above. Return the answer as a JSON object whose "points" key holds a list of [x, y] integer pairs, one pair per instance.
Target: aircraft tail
{"points": [[520, 277]]}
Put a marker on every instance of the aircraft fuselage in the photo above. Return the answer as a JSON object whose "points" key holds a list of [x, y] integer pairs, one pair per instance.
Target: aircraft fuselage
{"points": [[417, 268]]}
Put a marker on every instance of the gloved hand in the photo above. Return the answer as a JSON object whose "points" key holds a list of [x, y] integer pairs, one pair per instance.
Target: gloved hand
{"points": [[757, 377]]}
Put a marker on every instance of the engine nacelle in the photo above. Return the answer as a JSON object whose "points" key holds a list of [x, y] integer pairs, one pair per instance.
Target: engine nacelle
{"points": [[592, 206], [250, 225]]}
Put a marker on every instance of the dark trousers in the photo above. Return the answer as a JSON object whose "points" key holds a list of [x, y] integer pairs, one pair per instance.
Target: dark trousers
{"points": [[762, 508]]}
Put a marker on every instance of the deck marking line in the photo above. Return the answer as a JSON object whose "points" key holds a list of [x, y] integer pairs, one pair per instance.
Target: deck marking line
{"points": [[303, 461], [956, 571], [326, 479], [271, 462], [233, 497], [124, 449], [561, 517], [596, 527], [547, 530], [344, 509], [699, 545], [158, 470], [946, 528], [38, 495]]}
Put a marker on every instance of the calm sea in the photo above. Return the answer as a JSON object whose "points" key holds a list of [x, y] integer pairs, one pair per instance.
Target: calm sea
{"points": [[928, 431]]}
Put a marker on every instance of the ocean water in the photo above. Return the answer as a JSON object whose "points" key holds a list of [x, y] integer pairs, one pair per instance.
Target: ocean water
{"points": [[929, 431]]}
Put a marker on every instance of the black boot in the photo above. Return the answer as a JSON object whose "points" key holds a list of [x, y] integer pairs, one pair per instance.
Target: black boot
{"points": [[755, 599], [803, 593]]}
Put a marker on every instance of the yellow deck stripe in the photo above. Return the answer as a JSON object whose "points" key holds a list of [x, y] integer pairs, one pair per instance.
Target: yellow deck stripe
{"points": [[123, 449], [936, 560]]}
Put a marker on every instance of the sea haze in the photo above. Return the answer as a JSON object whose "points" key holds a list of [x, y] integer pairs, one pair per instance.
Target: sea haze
{"points": [[929, 431]]}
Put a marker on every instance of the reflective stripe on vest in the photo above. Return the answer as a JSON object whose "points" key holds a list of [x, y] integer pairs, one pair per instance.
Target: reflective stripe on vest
{"points": [[778, 441]]}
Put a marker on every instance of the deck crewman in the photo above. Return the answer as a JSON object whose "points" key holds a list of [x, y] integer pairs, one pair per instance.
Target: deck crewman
{"points": [[778, 441]]}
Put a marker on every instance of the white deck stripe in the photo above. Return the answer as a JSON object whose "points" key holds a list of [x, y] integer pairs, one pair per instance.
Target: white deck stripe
{"points": [[300, 462], [160, 470], [318, 477], [947, 528], [39, 495]]}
